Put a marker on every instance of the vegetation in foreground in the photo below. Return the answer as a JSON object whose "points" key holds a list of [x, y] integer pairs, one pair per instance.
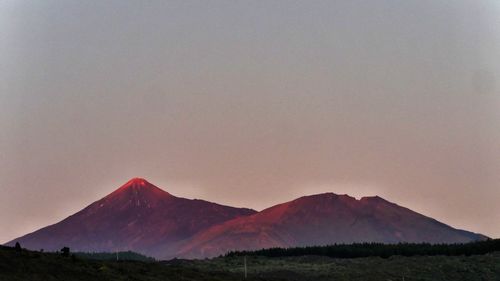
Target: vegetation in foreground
{"points": [[362, 250], [24, 265], [127, 256], [17, 264]]}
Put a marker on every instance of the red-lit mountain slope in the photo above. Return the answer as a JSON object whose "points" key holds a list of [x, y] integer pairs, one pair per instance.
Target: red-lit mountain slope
{"points": [[137, 216], [320, 220]]}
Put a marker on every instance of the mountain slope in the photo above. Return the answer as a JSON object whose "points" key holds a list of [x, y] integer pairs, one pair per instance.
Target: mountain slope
{"points": [[138, 216], [320, 220], [143, 218]]}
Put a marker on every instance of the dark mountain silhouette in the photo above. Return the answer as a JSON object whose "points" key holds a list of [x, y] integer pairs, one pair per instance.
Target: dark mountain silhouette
{"points": [[323, 219], [137, 216], [141, 217]]}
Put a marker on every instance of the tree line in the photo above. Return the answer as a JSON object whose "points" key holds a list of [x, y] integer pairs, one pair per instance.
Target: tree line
{"points": [[128, 255], [358, 250]]}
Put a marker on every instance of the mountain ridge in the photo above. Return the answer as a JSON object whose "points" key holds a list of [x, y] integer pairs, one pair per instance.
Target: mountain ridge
{"points": [[137, 216], [142, 217], [323, 219]]}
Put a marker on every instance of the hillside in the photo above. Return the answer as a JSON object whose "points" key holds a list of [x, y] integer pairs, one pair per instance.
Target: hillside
{"points": [[143, 218], [137, 217], [323, 219]]}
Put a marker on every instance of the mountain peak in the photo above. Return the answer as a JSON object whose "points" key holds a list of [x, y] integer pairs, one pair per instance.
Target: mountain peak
{"points": [[138, 216], [141, 217], [137, 182], [327, 197], [375, 198], [140, 187]]}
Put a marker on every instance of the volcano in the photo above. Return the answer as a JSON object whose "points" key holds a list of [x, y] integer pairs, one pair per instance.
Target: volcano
{"points": [[143, 218], [323, 219], [138, 216]]}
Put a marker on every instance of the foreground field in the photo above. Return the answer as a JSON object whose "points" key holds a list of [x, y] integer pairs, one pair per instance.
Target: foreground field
{"points": [[483, 267], [27, 265]]}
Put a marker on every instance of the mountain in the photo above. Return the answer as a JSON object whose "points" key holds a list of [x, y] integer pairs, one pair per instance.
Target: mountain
{"points": [[143, 218], [321, 220], [138, 216]]}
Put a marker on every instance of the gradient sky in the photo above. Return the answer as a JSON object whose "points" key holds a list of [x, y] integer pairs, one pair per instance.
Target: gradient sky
{"points": [[250, 103]]}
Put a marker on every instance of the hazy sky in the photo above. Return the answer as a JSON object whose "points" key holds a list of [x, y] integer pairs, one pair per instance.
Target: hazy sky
{"points": [[250, 103]]}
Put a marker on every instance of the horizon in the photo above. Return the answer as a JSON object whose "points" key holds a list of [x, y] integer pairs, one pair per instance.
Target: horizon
{"points": [[78, 209], [144, 181], [250, 104]]}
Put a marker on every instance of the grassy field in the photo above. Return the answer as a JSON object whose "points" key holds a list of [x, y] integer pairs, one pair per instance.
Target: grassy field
{"points": [[482, 267], [26, 265]]}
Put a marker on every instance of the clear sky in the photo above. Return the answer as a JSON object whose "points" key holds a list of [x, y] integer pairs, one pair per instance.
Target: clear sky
{"points": [[250, 103]]}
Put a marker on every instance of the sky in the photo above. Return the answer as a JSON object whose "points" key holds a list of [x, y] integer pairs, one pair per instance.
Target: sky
{"points": [[250, 103]]}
